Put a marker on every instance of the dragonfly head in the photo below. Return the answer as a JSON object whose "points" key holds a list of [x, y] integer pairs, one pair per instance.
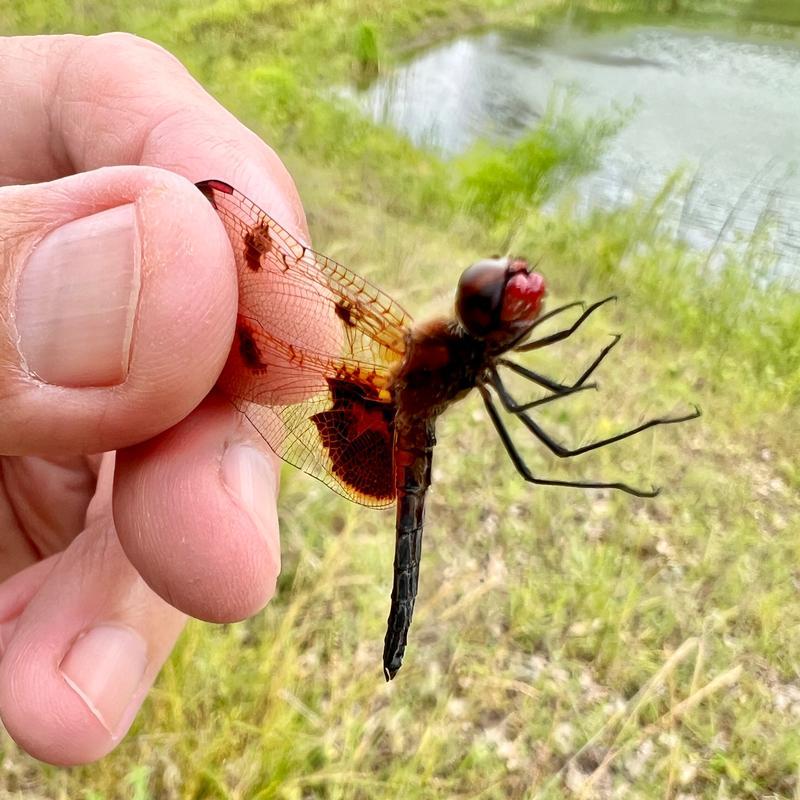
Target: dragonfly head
{"points": [[498, 297]]}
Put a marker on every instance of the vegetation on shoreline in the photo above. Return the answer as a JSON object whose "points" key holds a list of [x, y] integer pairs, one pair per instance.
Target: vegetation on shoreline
{"points": [[565, 644]]}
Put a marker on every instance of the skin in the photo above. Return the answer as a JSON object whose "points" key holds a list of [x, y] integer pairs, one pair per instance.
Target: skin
{"points": [[178, 515]]}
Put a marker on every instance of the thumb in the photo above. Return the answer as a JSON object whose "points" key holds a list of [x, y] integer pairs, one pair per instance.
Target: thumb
{"points": [[117, 308]]}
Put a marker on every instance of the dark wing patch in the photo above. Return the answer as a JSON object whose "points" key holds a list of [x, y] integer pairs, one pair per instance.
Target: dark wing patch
{"points": [[248, 349], [339, 429], [358, 435], [256, 243], [345, 313]]}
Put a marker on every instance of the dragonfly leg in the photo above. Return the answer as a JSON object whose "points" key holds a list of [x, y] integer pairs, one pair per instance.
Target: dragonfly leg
{"points": [[535, 377], [559, 389], [537, 322], [515, 407], [525, 471], [566, 452], [596, 363], [560, 335], [555, 311]]}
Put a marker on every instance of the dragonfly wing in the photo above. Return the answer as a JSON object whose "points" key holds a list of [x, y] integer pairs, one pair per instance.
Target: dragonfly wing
{"points": [[304, 297], [333, 420], [312, 362]]}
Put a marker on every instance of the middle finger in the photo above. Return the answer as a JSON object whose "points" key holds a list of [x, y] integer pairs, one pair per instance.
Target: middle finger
{"points": [[43, 504]]}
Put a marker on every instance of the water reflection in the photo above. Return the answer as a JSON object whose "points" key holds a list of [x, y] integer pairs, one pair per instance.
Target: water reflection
{"points": [[472, 88], [728, 107]]}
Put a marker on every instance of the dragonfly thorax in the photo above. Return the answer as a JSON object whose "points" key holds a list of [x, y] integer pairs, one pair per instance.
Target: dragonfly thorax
{"points": [[442, 364]]}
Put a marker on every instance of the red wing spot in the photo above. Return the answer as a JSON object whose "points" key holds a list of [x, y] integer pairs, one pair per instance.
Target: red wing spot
{"points": [[220, 186], [248, 349], [358, 433], [209, 187]]}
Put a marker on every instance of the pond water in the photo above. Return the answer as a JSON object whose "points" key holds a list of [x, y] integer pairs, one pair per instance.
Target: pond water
{"points": [[725, 108]]}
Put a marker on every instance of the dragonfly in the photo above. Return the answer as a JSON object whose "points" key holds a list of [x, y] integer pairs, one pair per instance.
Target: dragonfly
{"points": [[339, 381]]}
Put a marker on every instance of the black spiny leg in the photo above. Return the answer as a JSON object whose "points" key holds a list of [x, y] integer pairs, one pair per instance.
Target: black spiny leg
{"points": [[596, 363], [559, 390], [523, 469], [539, 320], [561, 335], [550, 314], [569, 390], [535, 377], [564, 452]]}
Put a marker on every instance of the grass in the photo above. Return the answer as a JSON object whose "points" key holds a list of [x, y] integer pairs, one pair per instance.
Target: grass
{"points": [[499, 185], [566, 644]]}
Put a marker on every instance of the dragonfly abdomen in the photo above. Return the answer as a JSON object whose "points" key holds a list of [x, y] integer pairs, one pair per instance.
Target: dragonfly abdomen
{"points": [[413, 458]]}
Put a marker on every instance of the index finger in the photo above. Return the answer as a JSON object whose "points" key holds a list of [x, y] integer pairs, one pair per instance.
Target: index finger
{"points": [[75, 103]]}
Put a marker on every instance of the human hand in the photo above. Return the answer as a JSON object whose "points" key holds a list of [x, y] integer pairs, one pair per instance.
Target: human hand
{"points": [[117, 310]]}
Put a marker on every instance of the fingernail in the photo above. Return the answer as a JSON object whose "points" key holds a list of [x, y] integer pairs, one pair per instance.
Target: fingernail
{"points": [[105, 666], [251, 477], [77, 300]]}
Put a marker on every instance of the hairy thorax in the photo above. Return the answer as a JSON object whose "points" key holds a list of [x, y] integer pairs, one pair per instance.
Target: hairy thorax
{"points": [[442, 364]]}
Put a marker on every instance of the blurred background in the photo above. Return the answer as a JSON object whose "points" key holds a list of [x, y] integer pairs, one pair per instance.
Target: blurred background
{"points": [[566, 643]]}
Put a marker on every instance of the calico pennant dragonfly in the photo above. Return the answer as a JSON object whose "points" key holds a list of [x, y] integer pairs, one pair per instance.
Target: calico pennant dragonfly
{"points": [[340, 383]]}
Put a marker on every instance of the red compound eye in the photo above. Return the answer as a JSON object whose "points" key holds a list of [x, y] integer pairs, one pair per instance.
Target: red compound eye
{"points": [[523, 297]]}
